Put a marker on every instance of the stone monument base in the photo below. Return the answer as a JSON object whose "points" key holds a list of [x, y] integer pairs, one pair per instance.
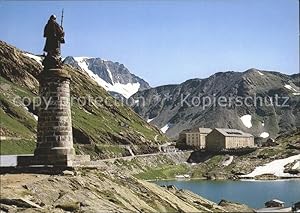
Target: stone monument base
{"points": [[54, 131], [53, 161]]}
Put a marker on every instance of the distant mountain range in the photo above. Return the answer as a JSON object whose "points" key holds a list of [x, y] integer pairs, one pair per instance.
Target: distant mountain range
{"points": [[112, 76], [174, 108]]}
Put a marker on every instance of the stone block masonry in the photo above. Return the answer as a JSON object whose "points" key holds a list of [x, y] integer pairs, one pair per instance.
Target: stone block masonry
{"points": [[54, 131]]}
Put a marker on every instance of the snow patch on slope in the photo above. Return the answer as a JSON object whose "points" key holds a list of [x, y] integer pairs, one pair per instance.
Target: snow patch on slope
{"points": [[38, 59], [275, 167], [83, 65], [33, 115], [228, 162], [109, 74], [126, 90], [165, 128], [246, 119], [264, 135], [290, 87], [297, 165], [149, 120], [260, 73]]}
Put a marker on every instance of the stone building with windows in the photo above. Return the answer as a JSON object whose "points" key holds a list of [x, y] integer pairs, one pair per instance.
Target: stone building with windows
{"points": [[197, 137], [182, 136], [224, 139]]}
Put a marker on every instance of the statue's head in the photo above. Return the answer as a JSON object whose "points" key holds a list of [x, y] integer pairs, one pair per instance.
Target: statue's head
{"points": [[53, 17]]}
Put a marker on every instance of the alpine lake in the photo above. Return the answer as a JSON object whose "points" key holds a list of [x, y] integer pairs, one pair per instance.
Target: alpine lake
{"points": [[253, 193]]}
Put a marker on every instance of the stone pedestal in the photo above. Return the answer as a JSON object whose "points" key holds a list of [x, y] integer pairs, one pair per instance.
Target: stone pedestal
{"points": [[54, 137]]}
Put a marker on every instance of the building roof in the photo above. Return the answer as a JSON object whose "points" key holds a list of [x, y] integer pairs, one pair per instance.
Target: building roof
{"points": [[185, 131], [200, 130], [276, 201], [233, 133], [297, 202]]}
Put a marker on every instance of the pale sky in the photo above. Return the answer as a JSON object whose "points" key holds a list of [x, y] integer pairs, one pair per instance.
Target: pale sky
{"points": [[169, 41]]}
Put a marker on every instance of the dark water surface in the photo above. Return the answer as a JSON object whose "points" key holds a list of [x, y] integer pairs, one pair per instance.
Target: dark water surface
{"points": [[249, 192]]}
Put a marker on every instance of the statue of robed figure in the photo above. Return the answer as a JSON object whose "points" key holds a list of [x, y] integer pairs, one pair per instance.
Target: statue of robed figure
{"points": [[54, 35]]}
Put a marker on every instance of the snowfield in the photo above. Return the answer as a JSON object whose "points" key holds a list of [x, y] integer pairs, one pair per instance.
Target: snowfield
{"points": [[297, 165], [165, 128], [83, 65], [275, 167], [260, 73], [228, 162], [126, 90], [109, 73], [38, 59], [149, 120], [296, 91], [264, 135], [290, 87], [246, 119], [33, 115]]}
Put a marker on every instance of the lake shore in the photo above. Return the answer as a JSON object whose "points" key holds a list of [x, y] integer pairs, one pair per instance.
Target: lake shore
{"points": [[287, 190], [240, 179]]}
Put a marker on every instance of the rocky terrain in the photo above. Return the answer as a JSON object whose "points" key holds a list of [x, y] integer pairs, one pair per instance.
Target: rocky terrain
{"points": [[174, 108], [102, 126], [90, 190], [109, 185]]}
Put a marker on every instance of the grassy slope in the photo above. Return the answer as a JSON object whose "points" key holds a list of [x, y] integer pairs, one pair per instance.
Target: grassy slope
{"points": [[163, 172], [17, 124], [108, 123], [12, 147]]}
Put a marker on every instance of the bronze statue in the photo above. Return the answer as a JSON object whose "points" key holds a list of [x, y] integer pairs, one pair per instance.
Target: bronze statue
{"points": [[54, 35]]}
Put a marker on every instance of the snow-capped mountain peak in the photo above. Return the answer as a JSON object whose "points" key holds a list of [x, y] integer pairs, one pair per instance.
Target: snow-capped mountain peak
{"points": [[112, 76]]}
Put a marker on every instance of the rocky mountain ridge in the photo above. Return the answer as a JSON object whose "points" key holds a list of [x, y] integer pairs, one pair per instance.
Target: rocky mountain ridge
{"points": [[214, 102]]}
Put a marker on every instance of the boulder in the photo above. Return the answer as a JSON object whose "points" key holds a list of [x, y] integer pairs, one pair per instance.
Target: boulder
{"points": [[235, 207], [68, 173], [19, 202]]}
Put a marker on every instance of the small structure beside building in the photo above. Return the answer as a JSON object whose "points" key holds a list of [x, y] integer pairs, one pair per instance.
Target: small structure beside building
{"points": [[296, 207], [226, 139], [270, 143], [197, 137], [170, 148], [274, 203]]}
